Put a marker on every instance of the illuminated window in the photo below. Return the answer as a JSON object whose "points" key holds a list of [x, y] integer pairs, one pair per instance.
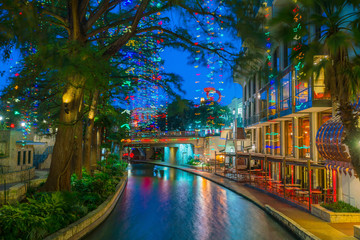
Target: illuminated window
{"points": [[285, 92], [301, 93], [272, 100], [263, 103]]}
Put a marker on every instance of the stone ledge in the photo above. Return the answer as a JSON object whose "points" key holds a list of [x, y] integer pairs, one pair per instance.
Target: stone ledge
{"points": [[334, 217], [294, 227], [86, 224], [18, 191], [357, 231]]}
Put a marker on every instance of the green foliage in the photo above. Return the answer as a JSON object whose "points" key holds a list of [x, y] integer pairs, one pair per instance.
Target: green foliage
{"points": [[45, 213], [194, 162], [340, 206]]}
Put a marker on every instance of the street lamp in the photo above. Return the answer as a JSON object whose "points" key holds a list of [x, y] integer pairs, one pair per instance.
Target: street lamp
{"points": [[1, 118]]}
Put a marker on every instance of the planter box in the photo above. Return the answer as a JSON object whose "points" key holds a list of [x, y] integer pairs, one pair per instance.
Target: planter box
{"points": [[334, 217]]}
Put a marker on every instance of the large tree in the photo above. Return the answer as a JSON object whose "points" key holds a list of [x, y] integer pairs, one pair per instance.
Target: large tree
{"points": [[66, 35]]}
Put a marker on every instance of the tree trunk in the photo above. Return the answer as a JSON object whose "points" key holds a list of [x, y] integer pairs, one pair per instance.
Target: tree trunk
{"points": [[65, 144], [352, 137], [77, 159], [94, 149], [98, 144], [89, 130]]}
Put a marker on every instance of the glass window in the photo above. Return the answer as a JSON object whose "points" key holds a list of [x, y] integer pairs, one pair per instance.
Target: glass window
{"points": [[304, 137], [24, 157], [319, 85], [263, 103], [285, 92], [19, 158], [301, 93], [29, 157], [272, 100], [324, 117]]}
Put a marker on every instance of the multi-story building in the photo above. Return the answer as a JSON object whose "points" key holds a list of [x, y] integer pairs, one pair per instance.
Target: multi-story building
{"points": [[284, 115]]}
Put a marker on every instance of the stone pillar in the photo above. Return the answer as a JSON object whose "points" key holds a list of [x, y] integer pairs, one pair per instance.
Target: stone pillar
{"points": [[259, 140], [271, 143], [282, 138], [172, 155], [314, 126], [296, 137]]}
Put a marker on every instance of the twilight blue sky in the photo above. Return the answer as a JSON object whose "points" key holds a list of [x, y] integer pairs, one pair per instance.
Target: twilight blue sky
{"points": [[176, 62]]}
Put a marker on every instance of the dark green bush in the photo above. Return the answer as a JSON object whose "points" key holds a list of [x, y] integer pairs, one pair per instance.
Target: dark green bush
{"points": [[340, 206], [44, 213]]}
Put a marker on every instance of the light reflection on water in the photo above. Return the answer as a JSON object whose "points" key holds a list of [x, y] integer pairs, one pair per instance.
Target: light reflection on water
{"points": [[165, 203]]}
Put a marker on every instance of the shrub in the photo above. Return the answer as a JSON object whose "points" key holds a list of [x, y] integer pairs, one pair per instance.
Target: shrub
{"points": [[340, 206], [44, 213]]}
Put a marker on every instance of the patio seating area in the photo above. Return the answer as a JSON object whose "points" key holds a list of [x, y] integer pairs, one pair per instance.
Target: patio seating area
{"points": [[278, 176]]}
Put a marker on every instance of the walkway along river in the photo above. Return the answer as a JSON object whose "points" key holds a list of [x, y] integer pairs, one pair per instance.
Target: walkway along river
{"points": [[165, 203]]}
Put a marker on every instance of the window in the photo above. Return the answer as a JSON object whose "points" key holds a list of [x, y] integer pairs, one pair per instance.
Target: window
{"points": [[19, 158], [263, 104], [287, 54], [276, 60], [301, 93], [285, 92], [29, 157], [24, 157], [272, 100], [319, 81]]}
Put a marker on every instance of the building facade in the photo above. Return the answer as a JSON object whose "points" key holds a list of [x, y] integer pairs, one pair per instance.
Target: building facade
{"points": [[284, 116]]}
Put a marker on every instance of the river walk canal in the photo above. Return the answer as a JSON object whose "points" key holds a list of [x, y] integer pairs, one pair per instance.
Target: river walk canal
{"points": [[165, 203]]}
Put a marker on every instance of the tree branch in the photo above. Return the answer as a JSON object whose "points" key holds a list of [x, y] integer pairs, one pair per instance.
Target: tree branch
{"points": [[101, 9], [57, 17], [123, 21], [214, 50], [116, 45]]}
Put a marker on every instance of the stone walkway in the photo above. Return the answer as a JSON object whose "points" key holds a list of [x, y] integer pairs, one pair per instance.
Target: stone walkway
{"points": [[316, 226]]}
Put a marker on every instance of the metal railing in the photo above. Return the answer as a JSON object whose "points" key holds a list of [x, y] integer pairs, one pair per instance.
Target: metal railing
{"points": [[40, 158], [172, 134]]}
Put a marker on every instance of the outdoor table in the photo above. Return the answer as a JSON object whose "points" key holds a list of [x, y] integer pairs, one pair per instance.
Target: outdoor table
{"points": [[316, 192]]}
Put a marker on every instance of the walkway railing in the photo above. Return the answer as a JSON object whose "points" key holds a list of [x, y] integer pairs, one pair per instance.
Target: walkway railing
{"points": [[171, 134], [40, 158]]}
